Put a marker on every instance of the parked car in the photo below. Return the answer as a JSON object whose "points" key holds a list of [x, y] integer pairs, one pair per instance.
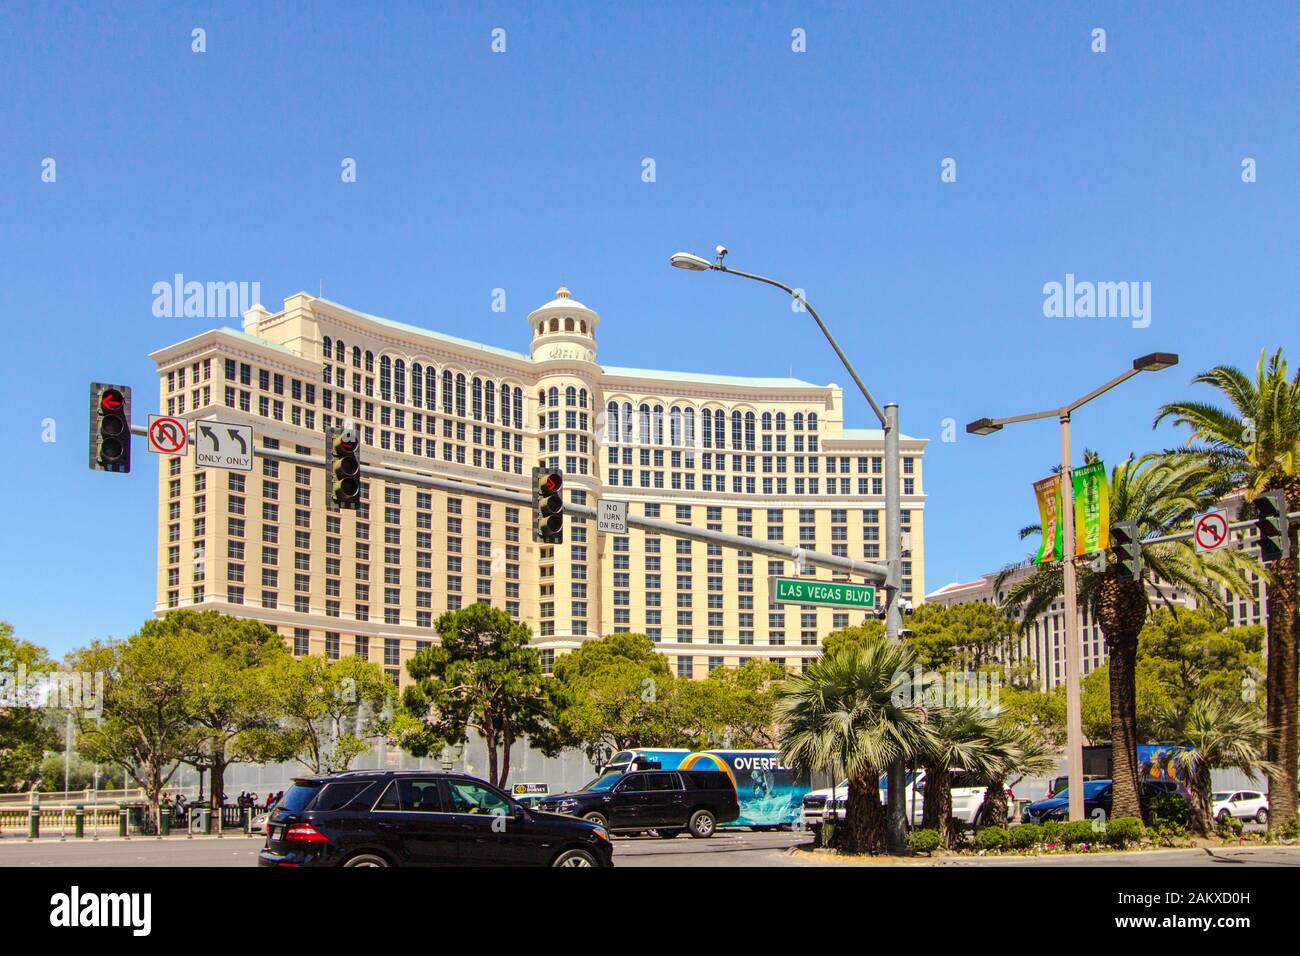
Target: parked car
{"points": [[1057, 785], [967, 795], [417, 818], [665, 801], [1097, 795], [258, 823], [1242, 804]]}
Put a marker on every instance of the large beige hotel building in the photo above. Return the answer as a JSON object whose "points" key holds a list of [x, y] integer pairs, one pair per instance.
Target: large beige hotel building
{"points": [[763, 457]]}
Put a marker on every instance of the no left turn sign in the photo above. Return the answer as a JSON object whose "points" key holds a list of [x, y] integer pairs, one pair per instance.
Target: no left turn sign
{"points": [[1211, 531], [167, 435]]}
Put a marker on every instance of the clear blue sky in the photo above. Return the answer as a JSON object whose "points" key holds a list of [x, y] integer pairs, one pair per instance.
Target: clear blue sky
{"points": [[523, 170]]}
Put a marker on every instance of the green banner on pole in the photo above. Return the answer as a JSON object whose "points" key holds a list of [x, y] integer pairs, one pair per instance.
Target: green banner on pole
{"points": [[1048, 493], [1091, 508]]}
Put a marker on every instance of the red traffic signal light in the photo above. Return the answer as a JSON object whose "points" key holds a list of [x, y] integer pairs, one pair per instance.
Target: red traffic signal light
{"points": [[548, 506], [110, 427], [110, 400]]}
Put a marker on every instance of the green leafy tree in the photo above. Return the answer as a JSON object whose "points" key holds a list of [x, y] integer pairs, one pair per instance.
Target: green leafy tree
{"points": [[607, 695], [965, 739], [966, 636], [228, 694], [1020, 750], [860, 634], [746, 700], [841, 716], [1254, 443], [329, 712], [1218, 735], [1161, 494], [25, 733], [483, 675], [145, 727]]}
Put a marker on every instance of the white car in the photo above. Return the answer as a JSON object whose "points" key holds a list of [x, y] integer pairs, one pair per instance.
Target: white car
{"points": [[966, 800], [1242, 804], [258, 823]]}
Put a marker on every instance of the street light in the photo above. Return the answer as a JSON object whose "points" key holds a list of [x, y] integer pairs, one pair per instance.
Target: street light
{"points": [[888, 416], [987, 426]]}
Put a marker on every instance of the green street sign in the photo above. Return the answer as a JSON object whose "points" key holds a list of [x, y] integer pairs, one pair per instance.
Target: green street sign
{"points": [[832, 593]]}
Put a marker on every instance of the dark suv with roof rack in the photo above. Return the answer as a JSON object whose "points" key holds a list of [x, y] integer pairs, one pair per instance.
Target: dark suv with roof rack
{"points": [[416, 818]]}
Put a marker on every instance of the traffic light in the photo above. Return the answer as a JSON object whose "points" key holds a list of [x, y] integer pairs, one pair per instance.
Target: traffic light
{"points": [[548, 505], [1126, 545], [110, 427], [1274, 525], [341, 446]]}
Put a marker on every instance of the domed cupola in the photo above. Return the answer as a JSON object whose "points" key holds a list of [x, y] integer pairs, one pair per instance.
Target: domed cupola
{"points": [[563, 330]]}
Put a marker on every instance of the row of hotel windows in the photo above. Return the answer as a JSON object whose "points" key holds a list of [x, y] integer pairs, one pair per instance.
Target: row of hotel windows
{"points": [[455, 390], [622, 426]]}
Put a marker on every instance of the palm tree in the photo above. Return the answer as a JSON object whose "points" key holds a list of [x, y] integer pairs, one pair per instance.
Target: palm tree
{"points": [[965, 739], [1161, 494], [1023, 752], [1218, 735], [1255, 445], [844, 715]]}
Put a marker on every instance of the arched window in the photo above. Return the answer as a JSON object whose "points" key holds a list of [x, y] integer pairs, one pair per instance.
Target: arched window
{"points": [[555, 325], [490, 401], [571, 396], [706, 426], [690, 427], [675, 426], [553, 397], [505, 404], [568, 324], [386, 378], [417, 385], [519, 407], [370, 361], [645, 424], [460, 395], [612, 433], [812, 421], [735, 430], [478, 398], [430, 390], [399, 381], [780, 421], [719, 429], [659, 424], [446, 391], [749, 431], [583, 325], [627, 423], [582, 398], [339, 351], [767, 421], [329, 348], [798, 421], [356, 356]]}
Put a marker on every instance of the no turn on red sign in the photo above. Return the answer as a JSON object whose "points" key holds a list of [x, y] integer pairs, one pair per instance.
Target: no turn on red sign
{"points": [[1210, 532], [168, 435]]}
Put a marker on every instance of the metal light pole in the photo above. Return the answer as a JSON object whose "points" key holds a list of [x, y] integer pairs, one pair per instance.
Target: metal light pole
{"points": [[1073, 706], [888, 416]]}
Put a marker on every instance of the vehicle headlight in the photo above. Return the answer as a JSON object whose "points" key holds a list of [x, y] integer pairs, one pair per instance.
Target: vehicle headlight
{"points": [[602, 833]]}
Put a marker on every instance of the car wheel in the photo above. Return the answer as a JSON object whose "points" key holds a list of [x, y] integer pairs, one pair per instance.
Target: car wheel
{"points": [[702, 824], [596, 818], [575, 858], [666, 834], [365, 859], [1223, 816], [1262, 817]]}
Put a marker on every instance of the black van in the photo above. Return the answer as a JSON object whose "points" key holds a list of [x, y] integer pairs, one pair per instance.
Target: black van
{"points": [[665, 801], [415, 818]]}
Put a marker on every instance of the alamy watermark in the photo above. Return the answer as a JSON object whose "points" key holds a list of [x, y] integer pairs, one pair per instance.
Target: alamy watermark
{"points": [[56, 690], [934, 690], [1085, 299], [178, 298]]}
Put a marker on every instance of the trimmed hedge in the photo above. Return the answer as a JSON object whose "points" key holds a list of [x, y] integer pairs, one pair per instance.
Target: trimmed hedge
{"points": [[1121, 831], [1025, 836], [992, 838], [925, 841]]}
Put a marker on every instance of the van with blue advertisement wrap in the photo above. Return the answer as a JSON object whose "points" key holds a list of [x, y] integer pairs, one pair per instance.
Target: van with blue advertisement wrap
{"points": [[770, 794]]}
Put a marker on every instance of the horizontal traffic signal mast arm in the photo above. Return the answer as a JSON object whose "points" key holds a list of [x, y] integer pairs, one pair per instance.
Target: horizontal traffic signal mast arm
{"points": [[779, 549], [1233, 526]]}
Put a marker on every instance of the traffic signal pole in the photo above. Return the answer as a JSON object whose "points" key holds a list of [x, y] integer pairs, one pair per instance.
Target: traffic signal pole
{"points": [[865, 569]]}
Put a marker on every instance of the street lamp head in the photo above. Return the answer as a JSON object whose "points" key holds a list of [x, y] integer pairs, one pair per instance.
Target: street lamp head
{"points": [[983, 426], [689, 261], [1155, 361]]}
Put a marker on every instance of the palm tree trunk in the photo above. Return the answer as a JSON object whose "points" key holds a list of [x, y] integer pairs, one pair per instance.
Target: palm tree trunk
{"points": [[1202, 808], [993, 810], [936, 805], [1123, 724], [1282, 688], [864, 817]]}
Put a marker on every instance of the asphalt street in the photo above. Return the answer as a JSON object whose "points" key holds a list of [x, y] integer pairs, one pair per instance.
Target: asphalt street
{"points": [[727, 848]]}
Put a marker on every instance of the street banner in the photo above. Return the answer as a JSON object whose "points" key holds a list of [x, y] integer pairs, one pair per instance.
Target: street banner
{"points": [[1048, 493], [1091, 508]]}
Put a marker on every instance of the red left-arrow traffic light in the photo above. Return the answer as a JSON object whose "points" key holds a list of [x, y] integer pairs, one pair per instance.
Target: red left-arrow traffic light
{"points": [[110, 427]]}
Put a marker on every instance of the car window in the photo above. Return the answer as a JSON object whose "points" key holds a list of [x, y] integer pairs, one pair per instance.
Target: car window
{"points": [[419, 796], [635, 783], [339, 795], [662, 781], [606, 782], [300, 795], [468, 796], [389, 801]]}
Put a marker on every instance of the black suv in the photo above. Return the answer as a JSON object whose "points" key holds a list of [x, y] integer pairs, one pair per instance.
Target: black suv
{"points": [[666, 801], [415, 818]]}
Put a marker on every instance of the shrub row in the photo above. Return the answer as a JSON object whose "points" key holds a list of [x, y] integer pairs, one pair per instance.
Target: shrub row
{"points": [[1119, 832]]}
